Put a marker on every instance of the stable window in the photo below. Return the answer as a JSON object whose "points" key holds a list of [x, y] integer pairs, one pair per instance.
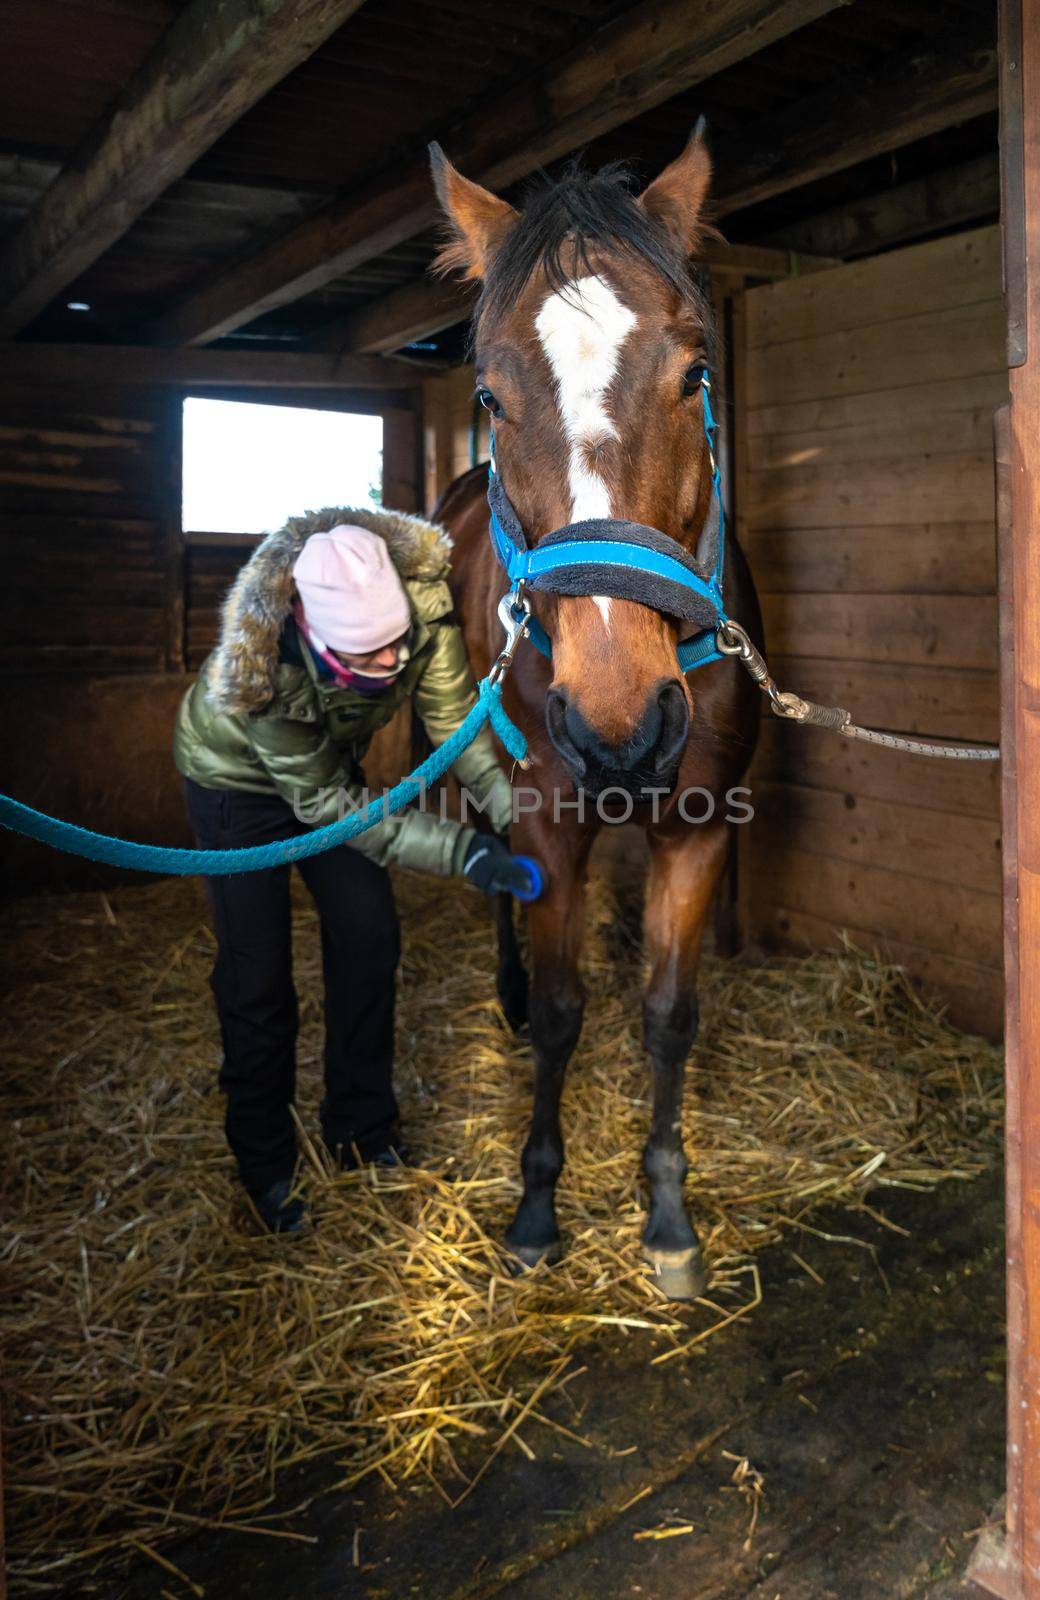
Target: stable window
{"points": [[246, 467]]}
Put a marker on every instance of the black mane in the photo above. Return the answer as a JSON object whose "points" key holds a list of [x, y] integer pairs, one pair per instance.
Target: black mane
{"points": [[565, 216]]}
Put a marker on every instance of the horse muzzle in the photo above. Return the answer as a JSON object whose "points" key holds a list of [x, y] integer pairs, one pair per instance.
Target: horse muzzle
{"points": [[648, 758]]}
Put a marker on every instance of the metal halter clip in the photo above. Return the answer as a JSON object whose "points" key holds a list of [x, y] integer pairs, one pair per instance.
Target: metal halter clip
{"points": [[514, 613], [732, 640]]}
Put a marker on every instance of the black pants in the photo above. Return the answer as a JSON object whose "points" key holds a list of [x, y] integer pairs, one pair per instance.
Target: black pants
{"points": [[256, 1001]]}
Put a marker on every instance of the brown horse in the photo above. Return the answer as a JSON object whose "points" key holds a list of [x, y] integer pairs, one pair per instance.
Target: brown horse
{"points": [[590, 337]]}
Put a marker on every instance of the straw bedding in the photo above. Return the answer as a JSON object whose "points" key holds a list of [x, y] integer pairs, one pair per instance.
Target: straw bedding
{"points": [[164, 1364]]}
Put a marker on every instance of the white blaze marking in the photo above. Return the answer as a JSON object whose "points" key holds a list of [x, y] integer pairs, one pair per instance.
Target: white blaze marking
{"points": [[582, 328]]}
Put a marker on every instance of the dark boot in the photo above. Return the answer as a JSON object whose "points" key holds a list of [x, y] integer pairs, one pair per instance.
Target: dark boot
{"points": [[277, 1211], [390, 1151]]}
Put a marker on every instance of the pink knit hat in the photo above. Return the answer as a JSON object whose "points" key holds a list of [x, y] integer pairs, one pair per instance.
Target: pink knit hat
{"points": [[352, 597]]}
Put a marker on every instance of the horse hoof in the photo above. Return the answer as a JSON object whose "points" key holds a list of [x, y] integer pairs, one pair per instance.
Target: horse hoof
{"points": [[522, 1258], [679, 1274]]}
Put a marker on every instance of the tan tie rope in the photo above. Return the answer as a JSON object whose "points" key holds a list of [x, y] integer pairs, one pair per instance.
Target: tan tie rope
{"points": [[732, 640]]}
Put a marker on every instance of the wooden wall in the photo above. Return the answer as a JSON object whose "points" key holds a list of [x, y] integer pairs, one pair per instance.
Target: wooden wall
{"points": [[84, 500], [106, 609], [866, 504]]}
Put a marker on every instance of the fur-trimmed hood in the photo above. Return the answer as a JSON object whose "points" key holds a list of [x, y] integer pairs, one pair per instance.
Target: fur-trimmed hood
{"points": [[241, 673]]}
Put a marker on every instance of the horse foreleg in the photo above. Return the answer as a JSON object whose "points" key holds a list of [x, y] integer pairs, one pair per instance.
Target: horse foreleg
{"points": [[555, 1009], [511, 977], [684, 871]]}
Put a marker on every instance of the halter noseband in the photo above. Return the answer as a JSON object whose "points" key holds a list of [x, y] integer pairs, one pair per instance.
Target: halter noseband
{"points": [[625, 560]]}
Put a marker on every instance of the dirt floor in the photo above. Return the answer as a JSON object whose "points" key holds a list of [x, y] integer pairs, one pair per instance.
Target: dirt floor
{"points": [[844, 1442]]}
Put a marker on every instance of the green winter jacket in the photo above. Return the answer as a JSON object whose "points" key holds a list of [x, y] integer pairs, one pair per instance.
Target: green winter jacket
{"points": [[261, 717]]}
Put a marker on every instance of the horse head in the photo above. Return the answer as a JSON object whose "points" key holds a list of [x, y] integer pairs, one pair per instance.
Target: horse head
{"points": [[590, 342]]}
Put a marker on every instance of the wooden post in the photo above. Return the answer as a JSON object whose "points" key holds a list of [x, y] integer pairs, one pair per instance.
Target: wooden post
{"points": [[736, 366], [1009, 1566], [436, 431], [402, 457], [726, 919], [174, 549]]}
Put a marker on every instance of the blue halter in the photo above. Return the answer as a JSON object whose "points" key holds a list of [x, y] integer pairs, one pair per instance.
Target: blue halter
{"points": [[625, 560]]}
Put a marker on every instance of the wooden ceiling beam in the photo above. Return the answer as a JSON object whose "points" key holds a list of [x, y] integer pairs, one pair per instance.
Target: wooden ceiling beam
{"points": [[211, 65], [22, 362], [412, 312], [644, 58], [426, 306], [863, 115], [965, 193]]}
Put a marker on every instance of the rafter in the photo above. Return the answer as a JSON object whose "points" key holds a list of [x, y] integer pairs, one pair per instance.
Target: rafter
{"points": [[947, 199], [645, 57], [211, 65], [863, 115]]}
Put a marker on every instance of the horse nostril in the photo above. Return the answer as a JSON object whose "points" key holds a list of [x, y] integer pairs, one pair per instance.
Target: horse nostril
{"points": [[675, 725], [563, 722]]}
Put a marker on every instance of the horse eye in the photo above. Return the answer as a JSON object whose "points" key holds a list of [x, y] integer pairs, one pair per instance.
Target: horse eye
{"points": [[489, 402], [693, 378]]}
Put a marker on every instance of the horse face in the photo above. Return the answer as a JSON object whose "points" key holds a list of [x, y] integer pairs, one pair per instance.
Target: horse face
{"points": [[588, 353]]}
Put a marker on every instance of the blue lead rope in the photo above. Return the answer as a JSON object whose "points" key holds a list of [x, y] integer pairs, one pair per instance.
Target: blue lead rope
{"points": [[222, 863]]}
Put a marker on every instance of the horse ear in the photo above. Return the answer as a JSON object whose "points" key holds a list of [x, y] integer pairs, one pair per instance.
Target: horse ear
{"points": [[479, 219], [676, 198]]}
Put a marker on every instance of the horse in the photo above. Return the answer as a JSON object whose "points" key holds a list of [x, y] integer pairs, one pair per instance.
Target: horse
{"points": [[591, 340]]}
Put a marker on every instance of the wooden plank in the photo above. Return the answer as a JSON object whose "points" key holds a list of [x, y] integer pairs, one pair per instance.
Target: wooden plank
{"points": [[937, 276], [789, 754], [211, 65], [72, 597], [18, 660], [929, 630], [902, 836], [18, 499], [936, 702], [896, 431], [202, 542], [62, 538], [864, 114], [901, 558], [973, 993], [79, 433], [936, 345], [196, 369], [906, 211], [900, 489], [24, 559], [975, 391], [649, 54], [951, 920], [123, 466], [115, 405], [741, 261]]}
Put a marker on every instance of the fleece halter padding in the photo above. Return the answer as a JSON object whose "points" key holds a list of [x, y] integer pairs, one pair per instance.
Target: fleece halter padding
{"points": [[624, 560]]}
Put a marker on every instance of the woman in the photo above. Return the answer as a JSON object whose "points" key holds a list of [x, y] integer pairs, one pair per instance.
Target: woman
{"points": [[333, 624]]}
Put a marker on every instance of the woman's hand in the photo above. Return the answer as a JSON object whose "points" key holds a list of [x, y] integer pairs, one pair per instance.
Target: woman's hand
{"points": [[489, 866]]}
